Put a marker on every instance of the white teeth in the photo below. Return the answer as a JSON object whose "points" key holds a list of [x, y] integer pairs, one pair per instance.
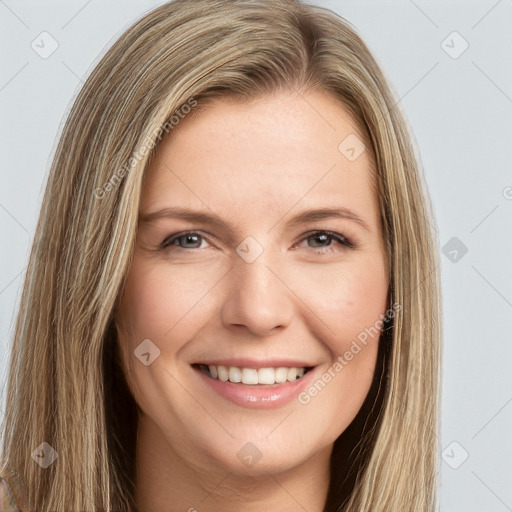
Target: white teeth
{"points": [[281, 374], [235, 374], [292, 374], [254, 376], [213, 370], [222, 372], [266, 376], [249, 376]]}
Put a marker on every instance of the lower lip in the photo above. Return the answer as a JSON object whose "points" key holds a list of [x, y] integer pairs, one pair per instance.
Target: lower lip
{"points": [[258, 396]]}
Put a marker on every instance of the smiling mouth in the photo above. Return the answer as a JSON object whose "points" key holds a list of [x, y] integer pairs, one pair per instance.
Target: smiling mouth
{"points": [[253, 376]]}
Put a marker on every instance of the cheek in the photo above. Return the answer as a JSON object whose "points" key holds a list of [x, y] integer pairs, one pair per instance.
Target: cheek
{"points": [[157, 301], [347, 300], [158, 305], [347, 303]]}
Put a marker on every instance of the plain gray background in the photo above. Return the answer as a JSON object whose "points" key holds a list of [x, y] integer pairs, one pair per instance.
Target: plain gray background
{"points": [[458, 102]]}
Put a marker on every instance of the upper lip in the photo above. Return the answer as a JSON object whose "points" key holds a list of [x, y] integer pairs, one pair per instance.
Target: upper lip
{"points": [[253, 363]]}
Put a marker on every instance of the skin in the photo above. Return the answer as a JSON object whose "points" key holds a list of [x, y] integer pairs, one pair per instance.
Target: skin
{"points": [[254, 165]]}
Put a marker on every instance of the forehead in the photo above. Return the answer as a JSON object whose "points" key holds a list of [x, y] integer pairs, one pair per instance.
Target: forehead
{"points": [[265, 155]]}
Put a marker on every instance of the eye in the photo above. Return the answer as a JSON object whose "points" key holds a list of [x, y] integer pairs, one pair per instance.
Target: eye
{"points": [[323, 240], [188, 240]]}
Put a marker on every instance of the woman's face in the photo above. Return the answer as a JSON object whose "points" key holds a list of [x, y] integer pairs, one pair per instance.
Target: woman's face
{"points": [[261, 290]]}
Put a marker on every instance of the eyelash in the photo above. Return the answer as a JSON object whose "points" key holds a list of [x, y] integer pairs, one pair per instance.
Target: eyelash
{"points": [[342, 240]]}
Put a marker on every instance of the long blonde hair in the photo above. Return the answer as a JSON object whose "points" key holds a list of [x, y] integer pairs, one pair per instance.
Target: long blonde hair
{"points": [[65, 386]]}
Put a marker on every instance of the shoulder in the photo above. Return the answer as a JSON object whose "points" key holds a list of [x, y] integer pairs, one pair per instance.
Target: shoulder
{"points": [[7, 501]]}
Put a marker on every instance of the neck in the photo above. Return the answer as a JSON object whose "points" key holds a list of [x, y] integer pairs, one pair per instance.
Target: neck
{"points": [[168, 483]]}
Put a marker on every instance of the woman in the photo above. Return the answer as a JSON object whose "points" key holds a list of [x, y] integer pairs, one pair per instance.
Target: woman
{"points": [[233, 291]]}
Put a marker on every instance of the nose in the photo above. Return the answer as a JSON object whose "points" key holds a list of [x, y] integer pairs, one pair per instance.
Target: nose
{"points": [[257, 298]]}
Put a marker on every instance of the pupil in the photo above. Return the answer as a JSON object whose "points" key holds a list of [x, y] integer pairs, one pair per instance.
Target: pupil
{"points": [[189, 239], [322, 236]]}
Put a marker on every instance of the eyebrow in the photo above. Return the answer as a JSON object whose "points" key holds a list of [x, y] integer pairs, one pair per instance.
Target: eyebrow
{"points": [[312, 215]]}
